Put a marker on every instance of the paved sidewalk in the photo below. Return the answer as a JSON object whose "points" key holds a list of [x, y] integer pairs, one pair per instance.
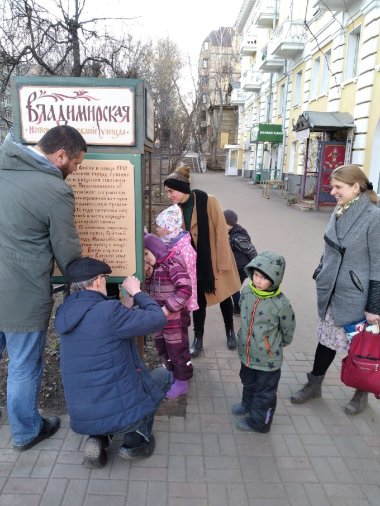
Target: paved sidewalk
{"points": [[314, 455]]}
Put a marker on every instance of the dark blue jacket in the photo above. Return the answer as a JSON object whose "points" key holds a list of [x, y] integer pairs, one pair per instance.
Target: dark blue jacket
{"points": [[107, 386]]}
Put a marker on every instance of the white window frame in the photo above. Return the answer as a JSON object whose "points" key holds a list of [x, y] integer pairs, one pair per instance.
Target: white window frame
{"points": [[325, 73], [315, 78], [297, 89], [292, 158], [352, 53]]}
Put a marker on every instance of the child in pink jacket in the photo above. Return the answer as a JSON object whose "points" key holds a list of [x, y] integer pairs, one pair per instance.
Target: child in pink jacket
{"points": [[170, 286], [169, 229]]}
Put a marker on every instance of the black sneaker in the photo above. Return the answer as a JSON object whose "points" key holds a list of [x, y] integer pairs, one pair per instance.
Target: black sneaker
{"points": [[95, 453], [49, 427], [132, 439], [236, 311], [239, 409], [142, 451]]}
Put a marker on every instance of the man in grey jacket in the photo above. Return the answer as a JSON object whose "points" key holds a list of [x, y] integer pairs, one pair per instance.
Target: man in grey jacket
{"points": [[36, 228]]}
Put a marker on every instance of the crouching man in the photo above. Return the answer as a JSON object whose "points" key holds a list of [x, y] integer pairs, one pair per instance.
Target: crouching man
{"points": [[107, 387]]}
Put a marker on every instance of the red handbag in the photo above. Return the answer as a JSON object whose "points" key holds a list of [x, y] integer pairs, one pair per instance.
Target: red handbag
{"points": [[361, 367]]}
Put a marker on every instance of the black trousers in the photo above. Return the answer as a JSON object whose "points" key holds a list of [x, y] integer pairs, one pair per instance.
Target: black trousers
{"points": [[236, 296], [323, 359], [259, 396], [199, 316]]}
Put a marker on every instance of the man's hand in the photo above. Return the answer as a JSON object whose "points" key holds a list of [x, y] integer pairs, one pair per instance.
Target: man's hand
{"points": [[132, 285]]}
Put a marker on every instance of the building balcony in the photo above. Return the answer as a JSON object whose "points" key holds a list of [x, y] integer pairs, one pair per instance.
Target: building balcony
{"points": [[289, 39], [333, 5], [248, 46], [251, 80], [270, 62], [238, 97], [267, 13]]}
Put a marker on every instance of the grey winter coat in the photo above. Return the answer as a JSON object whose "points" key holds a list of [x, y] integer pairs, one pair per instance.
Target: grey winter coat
{"points": [[267, 323], [36, 227], [348, 277]]}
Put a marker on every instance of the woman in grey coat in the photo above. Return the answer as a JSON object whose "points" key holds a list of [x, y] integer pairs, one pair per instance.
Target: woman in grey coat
{"points": [[347, 278]]}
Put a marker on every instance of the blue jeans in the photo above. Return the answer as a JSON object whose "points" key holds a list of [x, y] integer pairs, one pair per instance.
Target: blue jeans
{"points": [[25, 367]]}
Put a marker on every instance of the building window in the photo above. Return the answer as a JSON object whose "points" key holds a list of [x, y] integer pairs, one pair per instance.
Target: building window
{"points": [[204, 99], [281, 100], [352, 53], [297, 89], [325, 73], [292, 158], [314, 78], [205, 45], [205, 63]]}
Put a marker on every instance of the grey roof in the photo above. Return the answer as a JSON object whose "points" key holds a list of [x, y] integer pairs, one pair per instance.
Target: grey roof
{"points": [[321, 121]]}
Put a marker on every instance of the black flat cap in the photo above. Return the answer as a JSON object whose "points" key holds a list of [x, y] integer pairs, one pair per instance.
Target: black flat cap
{"points": [[84, 268]]}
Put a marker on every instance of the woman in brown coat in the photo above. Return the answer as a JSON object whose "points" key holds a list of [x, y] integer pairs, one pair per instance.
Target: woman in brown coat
{"points": [[217, 275]]}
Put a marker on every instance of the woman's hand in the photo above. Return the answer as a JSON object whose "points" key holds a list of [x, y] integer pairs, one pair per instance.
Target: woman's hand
{"points": [[372, 318]]}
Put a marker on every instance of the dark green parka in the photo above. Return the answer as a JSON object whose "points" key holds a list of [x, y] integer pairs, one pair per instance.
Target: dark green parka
{"points": [[36, 227]]}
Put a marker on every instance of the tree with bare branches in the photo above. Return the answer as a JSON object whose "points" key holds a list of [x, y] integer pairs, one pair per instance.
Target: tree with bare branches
{"points": [[35, 40], [218, 67], [63, 43], [173, 111]]}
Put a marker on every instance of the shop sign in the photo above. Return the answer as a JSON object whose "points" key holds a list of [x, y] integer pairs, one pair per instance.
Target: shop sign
{"points": [[267, 132]]}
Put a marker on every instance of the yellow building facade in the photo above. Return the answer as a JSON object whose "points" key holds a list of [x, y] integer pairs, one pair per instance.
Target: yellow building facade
{"points": [[313, 68]]}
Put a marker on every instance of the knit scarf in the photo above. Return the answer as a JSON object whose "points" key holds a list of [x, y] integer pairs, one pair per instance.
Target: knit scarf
{"points": [[262, 294], [342, 209], [205, 273]]}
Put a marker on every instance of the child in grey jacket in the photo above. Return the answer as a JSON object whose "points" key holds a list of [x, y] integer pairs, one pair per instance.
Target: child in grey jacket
{"points": [[267, 325]]}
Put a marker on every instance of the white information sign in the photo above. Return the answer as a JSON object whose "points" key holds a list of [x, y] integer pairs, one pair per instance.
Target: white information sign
{"points": [[103, 115]]}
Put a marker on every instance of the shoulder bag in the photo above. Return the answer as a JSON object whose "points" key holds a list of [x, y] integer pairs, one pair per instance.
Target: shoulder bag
{"points": [[361, 367]]}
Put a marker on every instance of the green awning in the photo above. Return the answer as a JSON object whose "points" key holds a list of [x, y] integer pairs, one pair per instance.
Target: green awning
{"points": [[266, 132]]}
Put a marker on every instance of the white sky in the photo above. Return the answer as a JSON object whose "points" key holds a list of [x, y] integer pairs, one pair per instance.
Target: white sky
{"points": [[187, 23]]}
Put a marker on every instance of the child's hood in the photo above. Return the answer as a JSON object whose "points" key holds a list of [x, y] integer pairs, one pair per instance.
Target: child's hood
{"points": [[271, 264], [170, 219], [155, 245]]}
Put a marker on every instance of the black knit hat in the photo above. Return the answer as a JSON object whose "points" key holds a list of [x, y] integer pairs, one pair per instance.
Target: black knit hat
{"points": [[231, 217], [85, 268], [179, 180]]}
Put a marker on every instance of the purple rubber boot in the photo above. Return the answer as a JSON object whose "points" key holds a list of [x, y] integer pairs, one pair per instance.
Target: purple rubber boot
{"points": [[178, 388]]}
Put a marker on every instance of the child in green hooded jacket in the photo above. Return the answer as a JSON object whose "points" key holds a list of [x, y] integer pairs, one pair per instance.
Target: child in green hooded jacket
{"points": [[267, 325]]}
